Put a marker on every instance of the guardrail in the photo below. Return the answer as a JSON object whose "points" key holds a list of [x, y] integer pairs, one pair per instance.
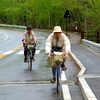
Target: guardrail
{"points": [[14, 26], [92, 45]]}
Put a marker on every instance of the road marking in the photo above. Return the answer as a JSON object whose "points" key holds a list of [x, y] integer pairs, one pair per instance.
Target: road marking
{"points": [[16, 48], [22, 52], [66, 93], [65, 89], [8, 52], [11, 51], [2, 55], [63, 76], [40, 37], [91, 76], [37, 51], [23, 83], [6, 36]]}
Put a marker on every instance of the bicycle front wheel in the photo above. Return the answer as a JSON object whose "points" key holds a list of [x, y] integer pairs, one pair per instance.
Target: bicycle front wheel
{"points": [[29, 62], [58, 84], [58, 77]]}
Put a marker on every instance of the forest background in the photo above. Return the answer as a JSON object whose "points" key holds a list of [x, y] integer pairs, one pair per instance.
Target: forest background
{"points": [[46, 14]]}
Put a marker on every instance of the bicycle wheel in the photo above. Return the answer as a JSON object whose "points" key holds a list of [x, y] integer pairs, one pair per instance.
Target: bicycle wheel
{"points": [[57, 84], [58, 81], [29, 62]]}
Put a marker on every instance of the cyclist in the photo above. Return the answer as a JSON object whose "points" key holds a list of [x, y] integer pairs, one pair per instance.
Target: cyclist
{"points": [[29, 37], [57, 40]]}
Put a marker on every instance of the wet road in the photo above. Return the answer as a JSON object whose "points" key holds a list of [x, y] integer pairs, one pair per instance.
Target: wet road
{"points": [[18, 83]]}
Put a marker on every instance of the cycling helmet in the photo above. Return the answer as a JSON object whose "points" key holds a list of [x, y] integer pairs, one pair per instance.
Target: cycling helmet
{"points": [[29, 27]]}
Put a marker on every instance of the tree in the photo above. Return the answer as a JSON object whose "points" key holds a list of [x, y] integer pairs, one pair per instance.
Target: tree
{"points": [[48, 13]]}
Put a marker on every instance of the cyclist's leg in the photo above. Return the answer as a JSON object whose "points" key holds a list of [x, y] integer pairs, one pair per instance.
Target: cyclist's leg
{"points": [[25, 53], [63, 65], [58, 70], [54, 71], [33, 53], [54, 74]]}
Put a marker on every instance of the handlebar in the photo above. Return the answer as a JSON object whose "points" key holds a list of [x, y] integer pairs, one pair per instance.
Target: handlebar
{"points": [[29, 46]]}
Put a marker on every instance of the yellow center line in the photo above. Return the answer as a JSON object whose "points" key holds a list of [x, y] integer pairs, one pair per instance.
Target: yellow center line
{"points": [[14, 49], [2, 55]]}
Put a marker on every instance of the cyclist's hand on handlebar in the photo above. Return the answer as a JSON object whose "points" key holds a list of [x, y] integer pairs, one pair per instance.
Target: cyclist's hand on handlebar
{"points": [[49, 55], [24, 44], [65, 56]]}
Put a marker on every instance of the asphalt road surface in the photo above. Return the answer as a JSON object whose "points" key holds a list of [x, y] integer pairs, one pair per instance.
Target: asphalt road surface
{"points": [[18, 83]]}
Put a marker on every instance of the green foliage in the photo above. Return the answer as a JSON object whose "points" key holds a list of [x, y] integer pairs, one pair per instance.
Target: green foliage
{"points": [[48, 13]]}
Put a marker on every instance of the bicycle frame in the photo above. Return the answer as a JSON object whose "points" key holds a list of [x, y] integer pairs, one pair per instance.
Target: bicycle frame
{"points": [[58, 66], [29, 56]]}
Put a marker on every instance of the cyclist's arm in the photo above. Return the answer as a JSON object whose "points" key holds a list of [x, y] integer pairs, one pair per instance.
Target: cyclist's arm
{"points": [[66, 44], [48, 45], [34, 38], [24, 39], [66, 47]]}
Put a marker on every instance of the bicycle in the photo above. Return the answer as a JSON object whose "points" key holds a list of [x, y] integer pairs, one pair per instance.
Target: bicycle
{"points": [[58, 59], [58, 66], [30, 47]]}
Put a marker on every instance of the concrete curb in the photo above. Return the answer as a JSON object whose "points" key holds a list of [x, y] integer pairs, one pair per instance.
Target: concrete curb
{"points": [[86, 90]]}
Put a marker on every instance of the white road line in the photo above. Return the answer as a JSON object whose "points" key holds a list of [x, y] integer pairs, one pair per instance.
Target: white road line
{"points": [[63, 76], [6, 36], [40, 37], [65, 89], [22, 52], [66, 93], [8, 52], [37, 51]]}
